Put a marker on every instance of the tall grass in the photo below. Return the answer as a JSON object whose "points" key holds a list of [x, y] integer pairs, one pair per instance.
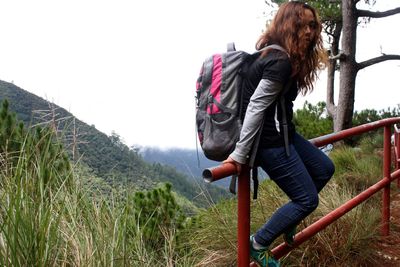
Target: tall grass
{"points": [[48, 216], [51, 216], [350, 241]]}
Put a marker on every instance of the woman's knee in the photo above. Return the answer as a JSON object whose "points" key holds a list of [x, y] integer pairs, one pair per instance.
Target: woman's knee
{"points": [[329, 169], [310, 203], [326, 170]]}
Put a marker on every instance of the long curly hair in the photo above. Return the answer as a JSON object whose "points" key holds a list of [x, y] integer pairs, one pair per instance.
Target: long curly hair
{"points": [[306, 58]]}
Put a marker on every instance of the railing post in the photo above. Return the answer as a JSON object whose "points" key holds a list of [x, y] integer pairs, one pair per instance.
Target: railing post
{"points": [[243, 222], [386, 175], [243, 256], [397, 150]]}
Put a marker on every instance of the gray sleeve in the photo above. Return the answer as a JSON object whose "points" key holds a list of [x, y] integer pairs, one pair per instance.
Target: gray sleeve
{"points": [[265, 94]]}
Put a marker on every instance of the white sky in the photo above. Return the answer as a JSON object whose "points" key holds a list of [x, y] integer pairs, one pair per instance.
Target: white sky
{"points": [[130, 66]]}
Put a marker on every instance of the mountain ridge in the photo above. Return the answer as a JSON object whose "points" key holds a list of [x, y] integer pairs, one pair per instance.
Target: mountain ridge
{"points": [[105, 156]]}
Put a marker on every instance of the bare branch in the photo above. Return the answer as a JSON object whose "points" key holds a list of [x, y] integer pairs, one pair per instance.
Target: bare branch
{"points": [[376, 60], [339, 56], [377, 14]]}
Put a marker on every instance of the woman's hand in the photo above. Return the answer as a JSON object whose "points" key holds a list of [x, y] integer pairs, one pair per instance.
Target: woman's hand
{"points": [[237, 164]]}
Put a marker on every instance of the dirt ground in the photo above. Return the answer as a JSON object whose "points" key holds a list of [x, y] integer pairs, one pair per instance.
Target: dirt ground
{"points": [[389, 248]]}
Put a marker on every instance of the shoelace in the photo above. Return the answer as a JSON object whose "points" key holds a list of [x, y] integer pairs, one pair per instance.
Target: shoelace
{"points": [[263, 256]]}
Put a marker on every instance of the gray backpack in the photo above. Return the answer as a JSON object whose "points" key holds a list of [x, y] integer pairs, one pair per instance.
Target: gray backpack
{"points": [[218, 102], [219, 106]]}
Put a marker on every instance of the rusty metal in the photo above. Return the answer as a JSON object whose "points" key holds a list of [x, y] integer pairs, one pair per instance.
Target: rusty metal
{"points": [[216, 173], [333, 137], [396, 144], [386, 176], [243, 231], [243, 226]]}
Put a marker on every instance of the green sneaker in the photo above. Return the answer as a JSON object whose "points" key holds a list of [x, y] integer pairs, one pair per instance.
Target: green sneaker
{"points": [[263, 257], [289, 236]]}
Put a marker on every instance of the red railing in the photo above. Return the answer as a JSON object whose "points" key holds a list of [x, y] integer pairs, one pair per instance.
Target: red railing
{"points": [[396, 145], [225, 170]]}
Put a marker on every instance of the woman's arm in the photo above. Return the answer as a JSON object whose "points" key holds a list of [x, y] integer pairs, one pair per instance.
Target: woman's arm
{"points": [[265, 94]]}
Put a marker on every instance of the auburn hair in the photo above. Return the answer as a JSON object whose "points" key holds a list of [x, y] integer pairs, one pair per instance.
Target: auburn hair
{"points": [[306, 60]]}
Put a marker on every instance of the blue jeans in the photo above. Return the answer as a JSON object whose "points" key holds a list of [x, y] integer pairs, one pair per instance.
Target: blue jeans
{"points": [[301, 176]]}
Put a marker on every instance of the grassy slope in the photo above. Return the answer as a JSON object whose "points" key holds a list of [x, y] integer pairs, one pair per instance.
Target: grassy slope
{"points": [[104, 157], [350, 241]]}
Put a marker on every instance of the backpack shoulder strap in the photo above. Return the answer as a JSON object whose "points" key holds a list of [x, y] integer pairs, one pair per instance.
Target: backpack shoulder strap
{"points": [[231, 47], [284, 118], [282, 101], [284, 91], [277, 47]]}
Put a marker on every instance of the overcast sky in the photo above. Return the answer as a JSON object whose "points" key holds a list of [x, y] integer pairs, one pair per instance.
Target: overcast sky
{"points": [[130, 66]]}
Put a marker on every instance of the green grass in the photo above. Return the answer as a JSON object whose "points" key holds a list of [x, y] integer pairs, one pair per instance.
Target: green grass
{"points": [[53, 213], [50, 216], [350, 241]]}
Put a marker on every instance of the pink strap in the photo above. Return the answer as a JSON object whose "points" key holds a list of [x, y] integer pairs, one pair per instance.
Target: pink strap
{"points": [[216, 84]]}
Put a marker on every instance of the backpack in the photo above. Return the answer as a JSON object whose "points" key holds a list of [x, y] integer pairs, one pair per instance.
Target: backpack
{"points": [[219, 106], [218, 102]]}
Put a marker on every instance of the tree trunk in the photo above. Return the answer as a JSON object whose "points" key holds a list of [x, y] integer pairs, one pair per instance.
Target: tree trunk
{"points": [[348, 67], [330, 101]]}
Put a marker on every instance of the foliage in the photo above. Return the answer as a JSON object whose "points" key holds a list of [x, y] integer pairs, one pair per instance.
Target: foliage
{"points": [[370, 115], [11, 132], [40, 143], [311, 121], [49, 216], [350, 241], [361, 166], [211, 235], [33, 171], [157, 211], [327, 9], [103, 156]]}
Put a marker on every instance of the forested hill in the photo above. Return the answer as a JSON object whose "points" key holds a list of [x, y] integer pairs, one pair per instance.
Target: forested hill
{"points": [[105, 156], [188, 161]]}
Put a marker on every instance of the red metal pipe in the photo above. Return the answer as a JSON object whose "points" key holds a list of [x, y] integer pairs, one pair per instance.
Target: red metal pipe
{"points": [[243, 232], [333, 137], [243, 227], [322, 223], [386, 176], [219, 172], [228, 169], [397, 150]]}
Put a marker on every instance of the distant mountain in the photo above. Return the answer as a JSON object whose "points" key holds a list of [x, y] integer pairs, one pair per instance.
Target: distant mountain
{"points": [[106, 156], [188, 161]]}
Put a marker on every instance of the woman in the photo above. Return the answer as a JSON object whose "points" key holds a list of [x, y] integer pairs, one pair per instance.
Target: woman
{"points": [[300, 169]]}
